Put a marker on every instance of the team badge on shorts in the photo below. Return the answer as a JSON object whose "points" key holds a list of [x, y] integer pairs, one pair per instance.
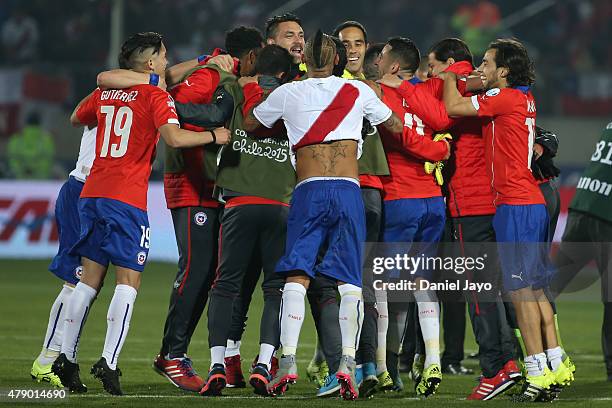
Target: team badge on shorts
{"points": [[78, 272], [200, 218], [141, 258]]}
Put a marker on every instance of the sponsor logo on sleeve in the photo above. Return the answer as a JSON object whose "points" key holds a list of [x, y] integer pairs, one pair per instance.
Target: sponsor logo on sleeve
{"points": [[493, 92]]}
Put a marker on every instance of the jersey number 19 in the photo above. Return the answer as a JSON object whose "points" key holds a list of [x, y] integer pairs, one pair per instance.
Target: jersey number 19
{"points": [[120, 124]]}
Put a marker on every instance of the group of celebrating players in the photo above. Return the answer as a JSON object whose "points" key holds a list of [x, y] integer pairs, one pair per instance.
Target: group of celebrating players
{"points": [[285, 156]]}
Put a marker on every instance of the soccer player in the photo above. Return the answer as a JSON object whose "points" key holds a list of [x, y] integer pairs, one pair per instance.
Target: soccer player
{"points": [[385, 382], [351, 44], [588, 234], [286, 31], [355, 38], [65, 265], [112, 208], [323, 116], [188, 186], [521, 219], [256, 189], [414, 208], [370, 70], [470, 206]]}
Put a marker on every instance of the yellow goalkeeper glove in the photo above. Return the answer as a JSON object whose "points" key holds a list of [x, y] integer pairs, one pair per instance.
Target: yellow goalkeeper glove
{"points": [[436, 168]]}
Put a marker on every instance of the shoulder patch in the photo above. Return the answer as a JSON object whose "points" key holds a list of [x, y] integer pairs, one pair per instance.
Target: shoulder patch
{"points": [[492, 92]]}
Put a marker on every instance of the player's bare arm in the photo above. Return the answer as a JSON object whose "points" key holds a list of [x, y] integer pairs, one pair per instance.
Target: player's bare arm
{"points": [[391, 80], [336, 159], [474, 83], [456, 105], [393, 124], [176, 137], [177, 73], [123, 78], [251, 123], [223, 61]]}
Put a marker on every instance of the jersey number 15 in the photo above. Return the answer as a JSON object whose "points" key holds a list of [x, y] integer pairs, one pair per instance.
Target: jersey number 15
{"points": [[120, 124]]}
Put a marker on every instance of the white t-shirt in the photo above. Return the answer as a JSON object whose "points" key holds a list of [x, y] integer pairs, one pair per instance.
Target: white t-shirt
{"points": [[319, 110], [87, 153]]}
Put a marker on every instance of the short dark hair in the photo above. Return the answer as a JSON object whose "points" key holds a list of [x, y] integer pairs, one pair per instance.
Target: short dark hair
{"points": [[342, 57], [273, 22], [454, 48], [511, 54], [273, 60], [138, 43], [369, 69], [405, 52], [348, 24], [241, 40]]}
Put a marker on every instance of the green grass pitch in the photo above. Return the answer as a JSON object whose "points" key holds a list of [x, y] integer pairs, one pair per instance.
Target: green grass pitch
{"points": [[27, 291]]}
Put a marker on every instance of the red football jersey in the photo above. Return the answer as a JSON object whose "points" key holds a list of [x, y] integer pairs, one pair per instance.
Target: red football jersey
{"points": [[199, 87], [128, 123], [407, 155], [509, 135], [468, 188]]}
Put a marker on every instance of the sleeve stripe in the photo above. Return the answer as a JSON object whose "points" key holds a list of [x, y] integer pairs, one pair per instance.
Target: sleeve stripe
{"points": [[174, 121], [475, 102]]}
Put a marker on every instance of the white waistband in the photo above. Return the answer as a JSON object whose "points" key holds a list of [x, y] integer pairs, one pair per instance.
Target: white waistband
{"points": [[309, 179]]}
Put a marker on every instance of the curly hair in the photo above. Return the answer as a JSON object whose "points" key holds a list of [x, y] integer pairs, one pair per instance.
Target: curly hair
{"points": [[511, 54]]}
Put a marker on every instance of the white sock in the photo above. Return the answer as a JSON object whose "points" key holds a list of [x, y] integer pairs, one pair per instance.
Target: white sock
{"points": [[351, 317], [266, 351], [118, 323], [52, 344], [291, 316], [429, 318], [535, 364], [75, 317], [555, 357], [233, 348], [382, 326], [217, 355]]}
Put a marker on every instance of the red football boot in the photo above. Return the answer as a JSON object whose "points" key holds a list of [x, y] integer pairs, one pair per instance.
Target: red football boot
{"points": [[489, 388], [215, 383], [513, 370], [179, 372], [233, 372]]}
